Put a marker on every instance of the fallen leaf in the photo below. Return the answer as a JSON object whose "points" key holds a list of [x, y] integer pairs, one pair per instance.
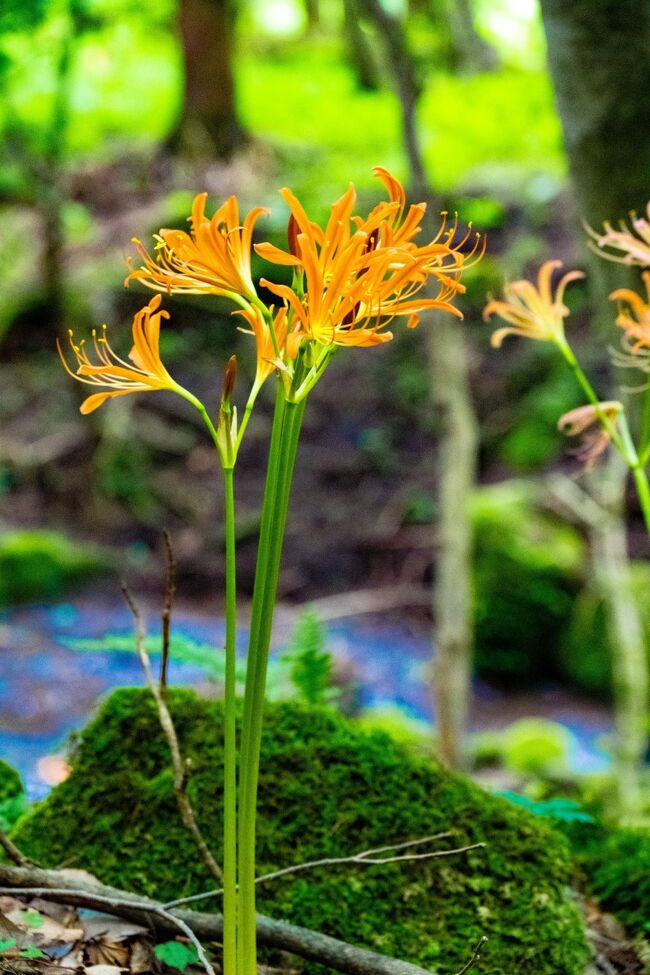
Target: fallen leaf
{"points": [[103, 970]]}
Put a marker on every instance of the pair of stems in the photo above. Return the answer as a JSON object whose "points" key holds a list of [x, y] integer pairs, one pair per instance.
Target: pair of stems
{"points": [[239, 930], [618, 431]]}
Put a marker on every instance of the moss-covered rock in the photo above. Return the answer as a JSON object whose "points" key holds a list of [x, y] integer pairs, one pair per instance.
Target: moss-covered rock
{"points": [[326, 790], [11, 784], [42, 565]]}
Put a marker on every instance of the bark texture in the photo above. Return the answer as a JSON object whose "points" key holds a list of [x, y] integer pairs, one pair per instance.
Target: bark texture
{"points": [[209, 118], [611, 572], [452, 594], [598, 54]]}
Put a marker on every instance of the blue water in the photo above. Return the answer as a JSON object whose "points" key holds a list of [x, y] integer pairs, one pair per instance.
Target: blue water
{"points": [[49, 689]]}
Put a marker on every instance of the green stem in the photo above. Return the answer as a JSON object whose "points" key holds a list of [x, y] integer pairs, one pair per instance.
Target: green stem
{"points": [[285, 434], [588, 389], [230, 740], [643, 491]]}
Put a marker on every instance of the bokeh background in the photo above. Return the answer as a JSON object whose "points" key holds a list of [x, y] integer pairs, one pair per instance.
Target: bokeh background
{"points": [[429, 465]]}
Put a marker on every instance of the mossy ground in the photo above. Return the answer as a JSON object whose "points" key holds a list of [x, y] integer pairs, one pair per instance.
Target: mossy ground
{"points": [[326, 790]]}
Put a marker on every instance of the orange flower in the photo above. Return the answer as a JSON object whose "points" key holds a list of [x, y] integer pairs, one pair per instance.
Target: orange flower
{"points": [[635, 319], [630, 246], [268, 358], [533, 312], [587, 422], [115, 375], [214, 258], [360, 274]]}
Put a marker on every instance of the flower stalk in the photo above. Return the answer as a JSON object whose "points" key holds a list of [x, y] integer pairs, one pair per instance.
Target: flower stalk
{"points": [[351, 280]]}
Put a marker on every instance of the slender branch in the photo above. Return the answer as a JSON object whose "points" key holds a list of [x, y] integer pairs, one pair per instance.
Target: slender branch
{"points": [[366, 856], [475, 957], [13, 852], [170, 592], [307, 944], [166, 723]]}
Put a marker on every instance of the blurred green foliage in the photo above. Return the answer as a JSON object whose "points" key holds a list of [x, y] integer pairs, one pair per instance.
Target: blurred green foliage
{"points": [[13, 801], [310, 664], [586, 657], [328, 790], [36, 565], [527, 571]]}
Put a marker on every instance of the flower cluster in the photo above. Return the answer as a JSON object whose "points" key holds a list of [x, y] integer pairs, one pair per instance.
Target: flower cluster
{"points": [[538, 312], [352, 279]]}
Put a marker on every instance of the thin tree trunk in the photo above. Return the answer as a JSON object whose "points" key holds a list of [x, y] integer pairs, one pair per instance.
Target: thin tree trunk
{"points": [[611, 572], [360, 53], [312, 9], [457, 443], [209, 120], [472, 53], [452, 596], [409, 89]]}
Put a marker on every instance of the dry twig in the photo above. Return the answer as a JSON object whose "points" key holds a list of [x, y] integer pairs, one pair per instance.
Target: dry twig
{"points": [[170, 592], [366, 856], [475, 957], [178, 764]]}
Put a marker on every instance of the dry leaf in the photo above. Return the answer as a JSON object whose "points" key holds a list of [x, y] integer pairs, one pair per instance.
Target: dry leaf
{"points": [[103, 970], [142, 959]]}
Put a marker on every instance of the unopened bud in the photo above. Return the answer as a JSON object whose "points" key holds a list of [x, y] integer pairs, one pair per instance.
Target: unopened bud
{"points": [[230, 377], [292, 234]]}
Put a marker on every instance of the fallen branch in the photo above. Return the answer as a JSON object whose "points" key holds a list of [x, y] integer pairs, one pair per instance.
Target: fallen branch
{"points": [[167, 725], [311, 945], [366, 856], [12, 851]]}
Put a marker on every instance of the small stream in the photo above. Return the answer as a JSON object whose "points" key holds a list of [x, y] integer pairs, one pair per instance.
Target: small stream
{"points": [[52, 675]]}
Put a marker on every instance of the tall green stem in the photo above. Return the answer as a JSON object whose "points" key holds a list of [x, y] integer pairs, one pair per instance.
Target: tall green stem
{"points": [[230, 740], [287, 422], [643, 492]]}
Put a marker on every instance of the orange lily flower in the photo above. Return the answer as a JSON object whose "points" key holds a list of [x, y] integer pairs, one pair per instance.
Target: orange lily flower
{"points": [[268, 357], [587, 422], [534, 312], [635, 319], [214, 258], [360, 274], [116, 376], [630, 245]]}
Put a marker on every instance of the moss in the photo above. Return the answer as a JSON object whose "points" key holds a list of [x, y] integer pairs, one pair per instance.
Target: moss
{"points": [[616, 865], [42, 565], [11, 784], [326, 789]]}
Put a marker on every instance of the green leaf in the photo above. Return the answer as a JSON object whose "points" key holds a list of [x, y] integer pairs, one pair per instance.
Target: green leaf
{"points": [[32, 919], [31, 952], [176, 955], [7, 943]]}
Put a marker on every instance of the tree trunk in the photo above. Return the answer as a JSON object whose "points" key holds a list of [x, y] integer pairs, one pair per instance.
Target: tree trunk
{"points": [[452, 595], [457, 443], [209, 122], [360, 53], [312, 9], [598, 57], [611, 572], [471, 53], [409, 89]]}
